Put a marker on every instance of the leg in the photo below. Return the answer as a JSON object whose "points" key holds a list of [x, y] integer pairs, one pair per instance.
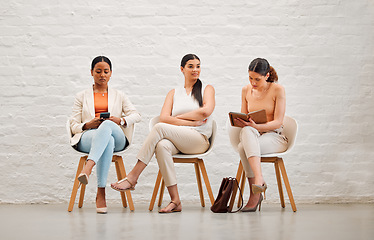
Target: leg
{"points": [[175, 203], [185, 139], [249, 151], [95, 142]]}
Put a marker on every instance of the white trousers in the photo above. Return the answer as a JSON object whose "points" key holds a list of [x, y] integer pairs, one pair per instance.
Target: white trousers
{"points": [[165, 140], [253, 144]]}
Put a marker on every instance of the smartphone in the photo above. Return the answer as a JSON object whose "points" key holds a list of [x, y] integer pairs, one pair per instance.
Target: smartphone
{"points": [[104, 115]]}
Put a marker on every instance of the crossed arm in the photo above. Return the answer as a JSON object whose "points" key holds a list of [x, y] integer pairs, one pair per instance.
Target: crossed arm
{"points": [[194, 118]]}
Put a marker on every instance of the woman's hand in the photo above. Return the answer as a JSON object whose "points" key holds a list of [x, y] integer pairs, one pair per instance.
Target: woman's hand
{"points": [[194, 123], [241, 123], [94, 123], [115, 119], [199, 122]]}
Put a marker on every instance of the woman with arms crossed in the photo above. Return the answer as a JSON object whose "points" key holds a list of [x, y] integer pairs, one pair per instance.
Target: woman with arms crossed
{"points": [[263, 92], [185, 126], [99, 137]]}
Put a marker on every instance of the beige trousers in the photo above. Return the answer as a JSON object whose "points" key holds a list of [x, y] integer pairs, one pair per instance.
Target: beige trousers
{"points": [[165, 140], [253, 144]]}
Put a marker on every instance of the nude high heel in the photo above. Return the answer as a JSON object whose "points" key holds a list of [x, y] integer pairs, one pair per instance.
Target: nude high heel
{"points": [[83, 178], [259, 189], [253, 209]]}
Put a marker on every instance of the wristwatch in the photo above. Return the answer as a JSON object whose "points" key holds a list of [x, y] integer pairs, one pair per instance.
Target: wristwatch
{"points": [[122, 122]]}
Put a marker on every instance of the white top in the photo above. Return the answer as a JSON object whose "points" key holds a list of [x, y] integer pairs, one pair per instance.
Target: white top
{"points": [[184, 102]]}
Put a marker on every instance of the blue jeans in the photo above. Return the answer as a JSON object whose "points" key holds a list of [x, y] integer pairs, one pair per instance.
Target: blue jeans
{"points": [[100, 144]]}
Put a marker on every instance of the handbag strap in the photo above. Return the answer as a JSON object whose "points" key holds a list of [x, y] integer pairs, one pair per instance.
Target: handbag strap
{"points": [[241, 196]]}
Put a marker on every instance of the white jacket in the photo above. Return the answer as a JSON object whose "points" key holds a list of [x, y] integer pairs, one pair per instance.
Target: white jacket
{"points": [[119, 105]]}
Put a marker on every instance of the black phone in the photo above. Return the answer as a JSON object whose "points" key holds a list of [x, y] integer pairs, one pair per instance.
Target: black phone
{"points": [[104, 115]]}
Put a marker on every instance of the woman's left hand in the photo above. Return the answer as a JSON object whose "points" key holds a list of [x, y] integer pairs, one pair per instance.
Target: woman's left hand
{"points": [[115, 119], [241, 123]]}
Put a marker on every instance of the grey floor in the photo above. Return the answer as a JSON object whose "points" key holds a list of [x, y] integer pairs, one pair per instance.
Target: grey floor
{"points": [[315, 221]]}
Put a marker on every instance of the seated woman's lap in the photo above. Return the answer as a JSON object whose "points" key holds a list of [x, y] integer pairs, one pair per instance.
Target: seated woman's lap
{"points": [[106, 128]]}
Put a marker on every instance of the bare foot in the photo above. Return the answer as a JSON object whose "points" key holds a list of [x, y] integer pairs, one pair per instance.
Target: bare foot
{"points": [[172, 207]]}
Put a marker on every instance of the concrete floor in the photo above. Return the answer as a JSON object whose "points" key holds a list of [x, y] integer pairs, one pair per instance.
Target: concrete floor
{"points": [[317, 222]]}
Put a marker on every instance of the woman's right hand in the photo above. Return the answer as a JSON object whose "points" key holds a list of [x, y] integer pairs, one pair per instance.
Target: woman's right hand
{"points": [[93, 124], [199, 123]]}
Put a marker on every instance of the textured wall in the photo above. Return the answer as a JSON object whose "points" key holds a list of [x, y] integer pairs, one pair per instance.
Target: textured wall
{"points": [[322, 50]]}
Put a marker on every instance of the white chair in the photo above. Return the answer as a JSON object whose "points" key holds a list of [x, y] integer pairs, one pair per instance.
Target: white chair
{"points": [[120, 169], [290, 131], [198, 162]]}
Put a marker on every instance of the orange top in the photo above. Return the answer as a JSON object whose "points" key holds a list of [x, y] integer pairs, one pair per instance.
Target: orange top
{"points": [[101, 103]]}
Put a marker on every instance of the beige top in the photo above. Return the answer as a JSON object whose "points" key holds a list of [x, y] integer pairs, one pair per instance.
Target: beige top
{"points": [[265, 100]]}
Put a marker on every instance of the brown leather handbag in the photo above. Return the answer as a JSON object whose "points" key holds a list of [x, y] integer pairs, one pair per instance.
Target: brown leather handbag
{"points": [[225, 193]]}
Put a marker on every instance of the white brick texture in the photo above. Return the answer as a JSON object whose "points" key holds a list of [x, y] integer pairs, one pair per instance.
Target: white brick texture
{"points": [[322, 50]]}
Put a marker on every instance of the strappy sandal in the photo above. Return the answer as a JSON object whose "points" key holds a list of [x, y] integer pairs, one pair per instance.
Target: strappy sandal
{"points": [[173, 209], [131, 188]]}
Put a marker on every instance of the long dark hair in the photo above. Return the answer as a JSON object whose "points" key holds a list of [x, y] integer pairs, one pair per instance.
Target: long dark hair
{"points": [[196, 89], [262, 67], [101, 59]]}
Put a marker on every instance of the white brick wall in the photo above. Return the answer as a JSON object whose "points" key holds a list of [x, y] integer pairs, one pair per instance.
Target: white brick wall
{"points": [[322, 50]]}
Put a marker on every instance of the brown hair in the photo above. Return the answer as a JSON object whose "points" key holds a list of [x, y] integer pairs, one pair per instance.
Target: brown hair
{"points": [[262, 67]]}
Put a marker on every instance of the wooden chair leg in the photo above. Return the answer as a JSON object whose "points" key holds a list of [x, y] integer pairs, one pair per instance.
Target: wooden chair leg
{"points": [[206, 180], [122, 171], [199, 184], [242, 185], [287, 184], [119, 177], [279, 181], [81, 196], [155, 191], [76, 183], [238, 177], [162, 190]]}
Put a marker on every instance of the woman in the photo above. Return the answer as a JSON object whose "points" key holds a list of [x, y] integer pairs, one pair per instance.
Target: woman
{"points": [[263, 92], [185, 126], [97, 136]]}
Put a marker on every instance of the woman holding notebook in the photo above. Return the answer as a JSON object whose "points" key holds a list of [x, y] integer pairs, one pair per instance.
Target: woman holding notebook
{"points": [[263, 92]]}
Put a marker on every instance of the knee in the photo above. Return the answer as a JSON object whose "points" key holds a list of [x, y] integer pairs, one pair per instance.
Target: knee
{"points": [[245, 131], [163, 146], [158, 127]]}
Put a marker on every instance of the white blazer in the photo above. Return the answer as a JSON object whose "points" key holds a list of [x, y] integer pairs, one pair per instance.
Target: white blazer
{"points": [[119, 105]]}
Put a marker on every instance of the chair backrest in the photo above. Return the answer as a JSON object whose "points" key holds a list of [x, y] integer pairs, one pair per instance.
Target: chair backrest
{"points": [[212, 138], [290, 131], [130, 130]]}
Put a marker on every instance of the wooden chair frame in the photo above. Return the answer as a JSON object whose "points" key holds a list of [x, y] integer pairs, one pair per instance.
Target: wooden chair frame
{"points": [[200, 169], [279, 168], [121, 173]]}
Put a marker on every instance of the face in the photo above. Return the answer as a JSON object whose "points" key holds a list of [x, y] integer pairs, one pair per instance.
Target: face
{"points": [[192, 69], [101, 73], [257, 80]]}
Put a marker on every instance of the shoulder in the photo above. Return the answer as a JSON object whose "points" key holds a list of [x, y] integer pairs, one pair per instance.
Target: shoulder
{"points": [[171, 92], [278, 90], [209, 88], [245, 89], [81, 94]]}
